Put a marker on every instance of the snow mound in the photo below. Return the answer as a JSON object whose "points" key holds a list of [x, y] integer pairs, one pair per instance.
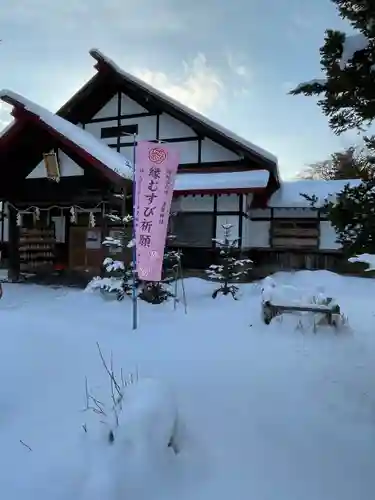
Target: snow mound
{"points": [[147, 417], [267, 412], [144, 439]]}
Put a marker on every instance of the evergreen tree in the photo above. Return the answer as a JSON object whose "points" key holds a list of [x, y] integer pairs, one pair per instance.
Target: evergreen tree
{"points": [[118, 278], [352, 163], [118, 275], [352, 214], [230, 269], [347, 98], [158, 292], [347, 93]]}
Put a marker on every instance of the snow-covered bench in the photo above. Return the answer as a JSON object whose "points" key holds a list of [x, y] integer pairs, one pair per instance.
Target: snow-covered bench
{"points": [[277, 299], [271, 310]]}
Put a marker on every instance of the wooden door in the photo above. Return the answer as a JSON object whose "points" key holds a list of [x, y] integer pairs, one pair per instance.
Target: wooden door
{"points": [[94, 249], [85, 249], [77, 248]]}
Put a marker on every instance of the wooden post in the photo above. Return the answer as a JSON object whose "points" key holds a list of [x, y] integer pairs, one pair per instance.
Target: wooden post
{"points": [[2, 217], [103, 235], [14, 253]]}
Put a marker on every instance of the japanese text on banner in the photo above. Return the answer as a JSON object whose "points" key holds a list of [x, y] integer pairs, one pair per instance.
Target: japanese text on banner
{"points": [[157, 166]]}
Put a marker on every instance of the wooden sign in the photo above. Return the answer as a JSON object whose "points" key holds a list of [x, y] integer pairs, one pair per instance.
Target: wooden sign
{"points": [[51, 164]]}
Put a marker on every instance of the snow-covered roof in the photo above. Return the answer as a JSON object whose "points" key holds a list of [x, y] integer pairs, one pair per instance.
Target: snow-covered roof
{"points": [[289, 193], [6, 129], [81, 138], [98, 55], [221, 181]]}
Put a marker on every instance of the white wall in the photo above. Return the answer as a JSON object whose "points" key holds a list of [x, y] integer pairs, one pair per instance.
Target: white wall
{"points": [[257, 213], [228, 203], [130, 107], [211, 151], [247, 200], [96, 128], [328, 237], [109, 109], [196, 203], [188, 151], [255, 234], [205, 203], [169, 128], [146, 128], [68, 168]]}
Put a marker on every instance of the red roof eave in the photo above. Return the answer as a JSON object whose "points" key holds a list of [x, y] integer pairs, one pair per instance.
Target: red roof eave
{"points": [[24, 114], [12, 133]]}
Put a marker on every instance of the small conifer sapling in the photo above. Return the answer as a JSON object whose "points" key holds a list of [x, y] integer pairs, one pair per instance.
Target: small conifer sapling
{"points": [[229, 270]]}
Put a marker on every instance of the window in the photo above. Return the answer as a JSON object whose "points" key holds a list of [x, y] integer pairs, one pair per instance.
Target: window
{"points": [[295, 233], [122, 130], [192, 230]]}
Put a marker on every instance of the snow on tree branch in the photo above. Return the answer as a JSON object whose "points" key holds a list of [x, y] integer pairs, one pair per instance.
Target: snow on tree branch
{"points": [[112, 242], [348, 62], [365, 258], [351, 45], [113, 265]]}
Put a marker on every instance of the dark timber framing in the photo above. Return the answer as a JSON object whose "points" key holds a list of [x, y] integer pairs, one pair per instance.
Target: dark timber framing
{"points": [[110, 82], [240, 219], [214, 222], [121, 116], [118, 143], [169, 141]]}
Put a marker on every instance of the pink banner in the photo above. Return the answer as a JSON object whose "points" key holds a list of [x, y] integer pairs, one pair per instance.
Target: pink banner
{"points": [[155, 173]]}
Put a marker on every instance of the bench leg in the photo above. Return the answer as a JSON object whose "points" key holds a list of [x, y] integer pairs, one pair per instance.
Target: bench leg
{"points": [[267, 314]]}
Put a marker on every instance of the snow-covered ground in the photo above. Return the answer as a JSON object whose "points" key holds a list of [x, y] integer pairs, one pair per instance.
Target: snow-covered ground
{"points": [[266, 412]]}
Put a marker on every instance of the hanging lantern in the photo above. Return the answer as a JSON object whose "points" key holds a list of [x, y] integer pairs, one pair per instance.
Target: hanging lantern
{"points": [[92, 220], [73, 215]]}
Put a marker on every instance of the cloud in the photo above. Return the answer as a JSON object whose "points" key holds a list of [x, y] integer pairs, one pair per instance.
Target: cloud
{"points": [[199, 86], [236, 67], [301, 20], [160, 18]]}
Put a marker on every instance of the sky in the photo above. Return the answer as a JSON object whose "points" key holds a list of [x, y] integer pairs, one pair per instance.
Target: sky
{"points": [[233, 61]]}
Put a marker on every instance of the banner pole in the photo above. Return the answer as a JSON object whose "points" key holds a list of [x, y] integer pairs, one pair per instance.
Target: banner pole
{"points": [[134, 247]]}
